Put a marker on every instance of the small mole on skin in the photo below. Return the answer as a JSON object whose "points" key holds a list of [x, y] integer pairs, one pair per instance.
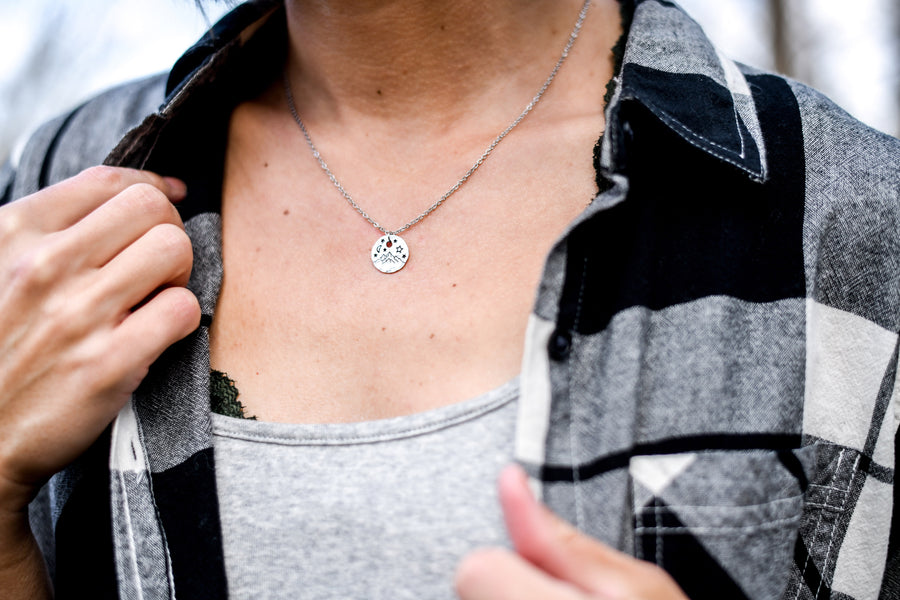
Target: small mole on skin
{"points": [[384, 328], [431, 337], [286, 212], [454, 285], [378, 92], [443, 27], [266, 165]]}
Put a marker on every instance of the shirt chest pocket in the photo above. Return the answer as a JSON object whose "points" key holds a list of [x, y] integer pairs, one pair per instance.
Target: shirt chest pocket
{"points": [[723, 523]]}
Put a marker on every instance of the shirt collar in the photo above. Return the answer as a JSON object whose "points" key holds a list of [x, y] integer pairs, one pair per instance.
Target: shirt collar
{"points": [[672, 69], [236, 27], [669, 66]]}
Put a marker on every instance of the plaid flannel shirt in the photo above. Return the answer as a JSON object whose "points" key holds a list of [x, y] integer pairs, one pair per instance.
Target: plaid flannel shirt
{"points": [[708, 379]]}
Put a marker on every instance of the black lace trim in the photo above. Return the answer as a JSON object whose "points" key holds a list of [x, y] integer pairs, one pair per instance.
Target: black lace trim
{"points": [[223, 396]]}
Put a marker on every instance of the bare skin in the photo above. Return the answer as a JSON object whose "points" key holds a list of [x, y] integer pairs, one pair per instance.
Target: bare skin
{"points": [[324, 337]]}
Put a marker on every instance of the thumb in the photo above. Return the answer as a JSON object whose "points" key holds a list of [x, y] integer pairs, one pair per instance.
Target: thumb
{"points": [[560, 550]]}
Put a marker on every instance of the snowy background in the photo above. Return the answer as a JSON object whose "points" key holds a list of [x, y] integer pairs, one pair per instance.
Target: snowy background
{"points": [[56, 53]]}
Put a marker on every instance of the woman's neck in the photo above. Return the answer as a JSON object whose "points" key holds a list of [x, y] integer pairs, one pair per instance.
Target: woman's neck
{"points": [[430, 62]]}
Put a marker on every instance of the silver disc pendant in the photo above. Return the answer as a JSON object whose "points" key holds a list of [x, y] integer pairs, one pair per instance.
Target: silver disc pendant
{"points": [[390, 253]]}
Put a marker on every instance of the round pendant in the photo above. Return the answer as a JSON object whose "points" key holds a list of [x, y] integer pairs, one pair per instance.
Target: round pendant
{"points": [[390, 253]]}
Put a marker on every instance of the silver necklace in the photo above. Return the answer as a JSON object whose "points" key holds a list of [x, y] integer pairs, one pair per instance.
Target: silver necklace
{"points": [[391, 252]]}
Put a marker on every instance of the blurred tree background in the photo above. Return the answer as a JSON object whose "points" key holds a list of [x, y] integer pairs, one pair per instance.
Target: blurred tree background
{"points": [[849, 50], [56, 53]]}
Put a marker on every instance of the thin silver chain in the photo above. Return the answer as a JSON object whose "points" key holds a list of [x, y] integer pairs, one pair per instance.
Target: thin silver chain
{"points": [[484, 155]]}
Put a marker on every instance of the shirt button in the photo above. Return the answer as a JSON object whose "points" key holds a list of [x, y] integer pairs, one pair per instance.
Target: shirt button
{"points": [[560, 344]]}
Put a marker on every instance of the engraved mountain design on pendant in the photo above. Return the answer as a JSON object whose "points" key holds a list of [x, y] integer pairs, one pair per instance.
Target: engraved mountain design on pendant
{"points": [[388, 257]]}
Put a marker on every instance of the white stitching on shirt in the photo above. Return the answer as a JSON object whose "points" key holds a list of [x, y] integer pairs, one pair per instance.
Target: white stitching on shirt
{"points": [[833, 527], [711, 530], [801, 580]]}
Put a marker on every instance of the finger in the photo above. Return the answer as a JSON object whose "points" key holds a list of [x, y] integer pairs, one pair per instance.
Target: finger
{"points": [[142, 337], [497, 574], [62, 205], [102, 234], [544, 539], [559, 549], [162, 257]]}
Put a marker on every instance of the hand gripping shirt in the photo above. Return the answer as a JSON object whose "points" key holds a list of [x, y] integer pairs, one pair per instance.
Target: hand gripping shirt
{"points": [[709, 374]]}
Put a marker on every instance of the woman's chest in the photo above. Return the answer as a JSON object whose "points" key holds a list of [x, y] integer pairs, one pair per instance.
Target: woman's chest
{"points": [[304, 313]]}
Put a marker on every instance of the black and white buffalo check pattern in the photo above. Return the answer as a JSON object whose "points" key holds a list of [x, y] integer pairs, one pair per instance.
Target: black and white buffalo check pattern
{"points": [[708, 380]]}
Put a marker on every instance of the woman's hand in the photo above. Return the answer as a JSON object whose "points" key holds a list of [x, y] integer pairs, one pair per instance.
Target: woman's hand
{"points": [[92, 276], [553, 561]]}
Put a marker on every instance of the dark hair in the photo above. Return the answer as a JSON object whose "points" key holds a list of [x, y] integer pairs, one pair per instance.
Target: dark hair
{"points": [[202, 4]]}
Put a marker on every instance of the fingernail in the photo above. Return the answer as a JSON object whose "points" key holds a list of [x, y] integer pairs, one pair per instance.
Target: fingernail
{"points": [[177, 188]]}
